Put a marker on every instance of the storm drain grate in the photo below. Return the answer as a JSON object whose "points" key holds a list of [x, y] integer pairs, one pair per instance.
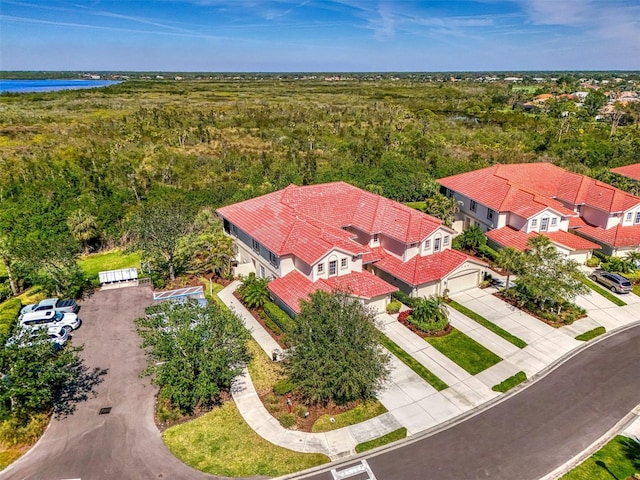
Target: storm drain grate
{"points": [[104, 411]]}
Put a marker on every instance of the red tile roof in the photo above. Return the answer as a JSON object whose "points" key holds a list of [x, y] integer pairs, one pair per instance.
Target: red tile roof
{"points": [[420, 270], [510, 237], [617, 236], [631, 171], [306, 221], [294, 287], [512, 187]]}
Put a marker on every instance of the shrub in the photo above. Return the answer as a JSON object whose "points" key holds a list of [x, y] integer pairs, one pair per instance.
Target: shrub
{"points": [[300, 410], [283, 387], [272, 404], [406, 299], [403, 316], [394, 306], [279, 316], [487, 252], [271, 325], [287, 420], [8, 313], [430, 315], [593, 262], [15, 433]]}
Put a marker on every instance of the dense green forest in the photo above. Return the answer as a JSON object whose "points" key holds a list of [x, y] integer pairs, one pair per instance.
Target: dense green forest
{"points": [[75, 166]]}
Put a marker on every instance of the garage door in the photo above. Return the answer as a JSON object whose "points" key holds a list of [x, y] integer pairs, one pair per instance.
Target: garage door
{"points": [[462, 282]]}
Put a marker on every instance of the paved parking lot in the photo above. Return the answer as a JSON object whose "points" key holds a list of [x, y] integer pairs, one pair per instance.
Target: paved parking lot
{"points": [[125, 443]]}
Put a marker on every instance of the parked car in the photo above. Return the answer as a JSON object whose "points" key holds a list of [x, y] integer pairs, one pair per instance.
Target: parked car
{"points": [[57, 335], [50, 318], [613, 281], [56, 304]]}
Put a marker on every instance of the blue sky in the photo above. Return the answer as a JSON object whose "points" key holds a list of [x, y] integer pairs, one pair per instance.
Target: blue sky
{"points": [[319, 35]]}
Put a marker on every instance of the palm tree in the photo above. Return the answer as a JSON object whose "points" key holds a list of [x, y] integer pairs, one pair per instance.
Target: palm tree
{"points": [[83, 227], [511, 260], [430, 314]]}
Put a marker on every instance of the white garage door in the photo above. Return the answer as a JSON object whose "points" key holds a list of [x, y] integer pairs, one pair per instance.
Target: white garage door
{"points": [[462, 282]]}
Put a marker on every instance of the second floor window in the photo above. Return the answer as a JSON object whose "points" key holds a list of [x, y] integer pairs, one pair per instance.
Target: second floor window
{"points": [[436, 244], [427, 244], [321, 268], [473, 205], [273, 258], [544, 223], [637, 217], [256, 245], [534, 223], [629, 216], [446, 240], [333, 267], [343, 263], [554, 221], [376, 238], [490, 214]]}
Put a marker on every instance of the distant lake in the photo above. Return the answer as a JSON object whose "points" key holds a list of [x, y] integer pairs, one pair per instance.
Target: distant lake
{"points": [[18, 86]]}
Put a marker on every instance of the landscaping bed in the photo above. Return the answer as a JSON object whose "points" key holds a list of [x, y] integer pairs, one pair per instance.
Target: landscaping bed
{"points": [[568, 315], [277, 334], [403, 319]]}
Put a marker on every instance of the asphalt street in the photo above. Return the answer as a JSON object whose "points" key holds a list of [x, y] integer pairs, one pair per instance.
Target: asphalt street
{"points": [[125, 443], [533, 432]]}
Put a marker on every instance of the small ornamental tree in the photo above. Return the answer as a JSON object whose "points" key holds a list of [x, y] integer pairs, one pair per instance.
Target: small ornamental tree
{"points": [[337, 355], [254, 291], [194, 352], [430, 315]]}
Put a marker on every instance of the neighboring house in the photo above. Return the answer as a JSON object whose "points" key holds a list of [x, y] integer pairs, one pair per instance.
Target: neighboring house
{"points": [[336, 236], [513, 201], [630, 171]]}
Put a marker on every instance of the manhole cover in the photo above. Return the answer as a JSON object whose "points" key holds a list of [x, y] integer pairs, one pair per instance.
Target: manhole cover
{"points": [[104, 411]]}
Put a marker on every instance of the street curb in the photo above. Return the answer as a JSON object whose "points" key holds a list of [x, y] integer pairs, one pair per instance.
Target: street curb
{"points": [[476, 411]]}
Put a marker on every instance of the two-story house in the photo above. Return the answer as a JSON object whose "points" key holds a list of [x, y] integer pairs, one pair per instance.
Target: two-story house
{"points": [[336, 236], [514, 202]]}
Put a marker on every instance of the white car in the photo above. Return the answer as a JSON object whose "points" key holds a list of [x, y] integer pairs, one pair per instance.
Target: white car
{"points": [[50, 318], [57, 335]]}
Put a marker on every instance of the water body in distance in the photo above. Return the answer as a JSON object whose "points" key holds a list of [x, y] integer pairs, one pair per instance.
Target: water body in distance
{"points": [[21, 86]]}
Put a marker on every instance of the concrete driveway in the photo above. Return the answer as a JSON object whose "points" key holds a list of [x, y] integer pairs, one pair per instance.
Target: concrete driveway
{"points": [[125, 443]]}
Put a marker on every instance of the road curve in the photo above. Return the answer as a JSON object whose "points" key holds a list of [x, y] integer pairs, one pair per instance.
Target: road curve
{"points": [[534, 432], [124, 444]]}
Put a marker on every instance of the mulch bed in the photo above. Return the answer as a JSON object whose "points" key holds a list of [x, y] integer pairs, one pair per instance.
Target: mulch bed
{"points": [[446, 331], [257, 315], [513, 303]]}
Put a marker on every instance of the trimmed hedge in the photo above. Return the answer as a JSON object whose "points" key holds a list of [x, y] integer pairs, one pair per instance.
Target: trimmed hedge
{"points": [[488, 252], [406, 299], [279, 317], [394, 306]]}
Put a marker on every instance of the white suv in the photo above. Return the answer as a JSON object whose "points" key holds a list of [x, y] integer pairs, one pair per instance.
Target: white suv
{"points": [[50, 318]]}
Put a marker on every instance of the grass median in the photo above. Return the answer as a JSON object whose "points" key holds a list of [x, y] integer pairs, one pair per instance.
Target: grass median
{"points": [[591, 334], [464, 351], [488, 324], [378, 442]]}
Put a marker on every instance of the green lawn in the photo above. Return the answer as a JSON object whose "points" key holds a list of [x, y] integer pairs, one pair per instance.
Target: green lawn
{"points": [[221, 443], [604, 292], [417, 205], [413, 364], [586, 336], [510, 382], [378, 442], [360, 413], [620, 458], [464, 351], [487, 324], [113, 260]]}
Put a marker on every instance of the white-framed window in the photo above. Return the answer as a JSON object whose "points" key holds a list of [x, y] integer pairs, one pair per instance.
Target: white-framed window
{"points": [[262, 272], [427, 244], [534, 223], [490, 213], [333, 267], [320, 268], [544, 224], [446, 240], [637, 217], [629, 216], [344, 263], [554, 221], [255, 245], [376, 238], [473, 205], [273, 259], [436, 244]]}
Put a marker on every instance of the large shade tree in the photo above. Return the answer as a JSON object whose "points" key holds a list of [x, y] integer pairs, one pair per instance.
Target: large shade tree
{"points": [[194, 352], [336, 355]]}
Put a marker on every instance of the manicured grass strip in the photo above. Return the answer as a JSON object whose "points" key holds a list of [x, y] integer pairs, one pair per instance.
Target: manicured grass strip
{"points": [[113, 260], [617, 459], [413, 364], [510, 382], [360, 413], [603, 291], [586, 336], [464, 351], [378, 442], [488, 324], [221, 443]]}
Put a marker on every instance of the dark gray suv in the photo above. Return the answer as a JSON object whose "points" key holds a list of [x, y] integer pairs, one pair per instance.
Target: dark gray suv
{"points": [[613, 281]]}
